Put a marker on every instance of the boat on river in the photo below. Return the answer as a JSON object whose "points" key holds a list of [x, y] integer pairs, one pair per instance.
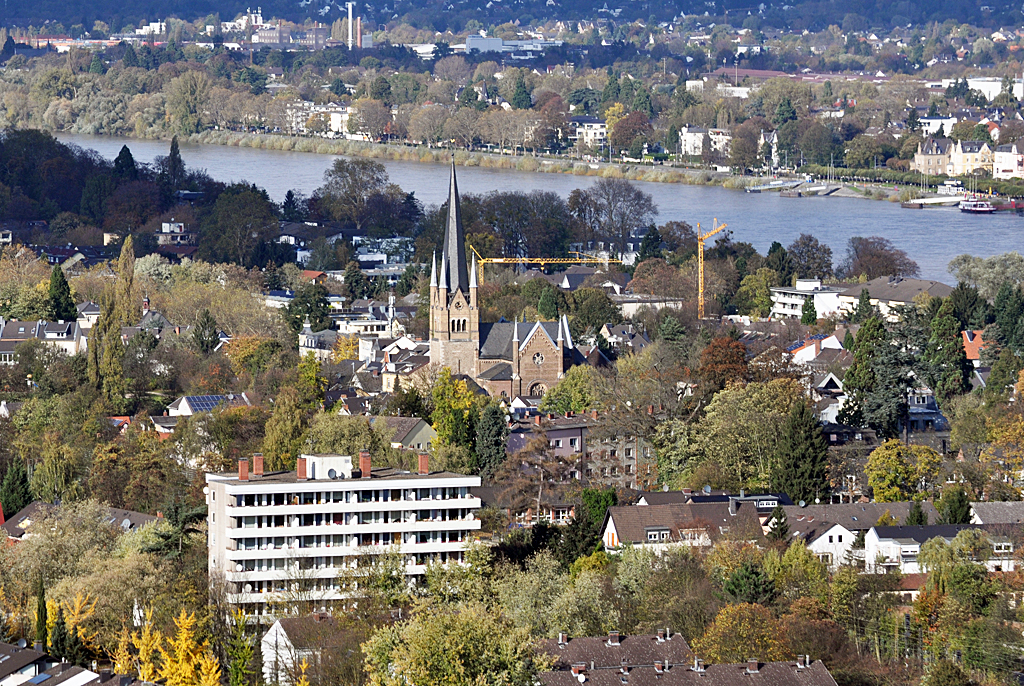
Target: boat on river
{"points": [[975, 206]]}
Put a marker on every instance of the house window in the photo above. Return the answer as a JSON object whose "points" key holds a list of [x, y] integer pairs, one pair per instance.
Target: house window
{"points": [[629, 452], [830, 540], [825, 557], [840, 538], [557, 442], [574, 443]]}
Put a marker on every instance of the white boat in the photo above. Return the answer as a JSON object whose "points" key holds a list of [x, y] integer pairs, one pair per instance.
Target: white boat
{"points": [[974, 206]]}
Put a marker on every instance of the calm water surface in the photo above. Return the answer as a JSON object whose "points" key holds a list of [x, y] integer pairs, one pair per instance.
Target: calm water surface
{"points": [[931, 236]]}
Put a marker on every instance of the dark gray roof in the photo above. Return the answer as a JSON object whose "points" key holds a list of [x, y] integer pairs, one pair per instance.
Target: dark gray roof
{"points": [[633, 521], [498, 372], [768, 674], [18, 525], [999, 513], [920, 534], [890, 289], [496, 339], [402, 426], [635, 650], [13, 659], [936, 146], [854, 516]]}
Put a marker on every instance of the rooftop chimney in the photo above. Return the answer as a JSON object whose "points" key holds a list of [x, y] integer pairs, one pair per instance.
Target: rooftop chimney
{"points": [[593, 414], [661, 635], [243, 469], [563, 638], [536, 419], [364, 463], [578, 668], [257, 464], [424, 463], [104, 676], [650, 409], [752, 665], [659, 666], [613, 638], [698, 664], [801, 661], [300, 469]]}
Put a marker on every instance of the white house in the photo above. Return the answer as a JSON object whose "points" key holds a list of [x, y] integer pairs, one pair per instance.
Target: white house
{"points": [[805, 351], [898, 547], [831, 543], [788, 302], [1008, 161], [188, 405], [691, 140], [590, 131], [290, 640]]}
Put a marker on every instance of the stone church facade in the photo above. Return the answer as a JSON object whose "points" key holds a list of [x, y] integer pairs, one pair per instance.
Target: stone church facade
{"points": [[507, 359]]}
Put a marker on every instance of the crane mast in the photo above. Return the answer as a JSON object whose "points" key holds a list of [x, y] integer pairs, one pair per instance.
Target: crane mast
{"points": [[701, 237]]}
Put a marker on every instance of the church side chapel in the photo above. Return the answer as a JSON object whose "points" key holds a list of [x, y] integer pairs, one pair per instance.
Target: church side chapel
{"points": [[507, 359]]}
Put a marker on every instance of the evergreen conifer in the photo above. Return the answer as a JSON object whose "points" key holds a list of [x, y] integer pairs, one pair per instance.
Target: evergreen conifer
{"points": [[60, 307], [41, 634], [491, 437], [950, 369], [779, 526], [916, 516], [59, 636], [808, 315], [204, 336], [802, 456], [15, 492]]}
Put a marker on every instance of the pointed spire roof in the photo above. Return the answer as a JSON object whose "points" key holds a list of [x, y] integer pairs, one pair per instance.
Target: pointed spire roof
{"points": [[453, 261], [443, 283], [433, 269], [472, 272], [515, 329]]}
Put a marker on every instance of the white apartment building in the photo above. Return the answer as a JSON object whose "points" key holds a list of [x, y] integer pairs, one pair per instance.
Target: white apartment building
{"points": [[691, 140], [1008, 161], [789, 302], [272, 532], [590, 131], [889, 548]]}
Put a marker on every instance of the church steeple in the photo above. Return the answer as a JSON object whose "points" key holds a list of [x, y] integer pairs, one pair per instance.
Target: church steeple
{"points": [[453, 258]]}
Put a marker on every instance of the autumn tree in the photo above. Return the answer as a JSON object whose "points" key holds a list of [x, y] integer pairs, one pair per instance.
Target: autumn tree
{"points": [[722, 360], [106, 350], [455, 414], [181, 657], [896, 472], [348, 184], [575, 392], [187, 96], [741, 631]]}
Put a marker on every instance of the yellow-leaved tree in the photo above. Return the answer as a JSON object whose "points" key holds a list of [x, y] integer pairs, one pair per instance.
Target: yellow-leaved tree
{"points": [[147, 644], [741, 631], [121, 658], [208, 669], [345, 348], [181, 656]]}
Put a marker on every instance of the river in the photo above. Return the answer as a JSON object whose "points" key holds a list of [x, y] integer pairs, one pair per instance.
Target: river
{"points": [[932, 236]]}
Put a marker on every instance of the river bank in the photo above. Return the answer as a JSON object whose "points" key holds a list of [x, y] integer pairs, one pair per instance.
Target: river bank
{"points": [[526, 163]]}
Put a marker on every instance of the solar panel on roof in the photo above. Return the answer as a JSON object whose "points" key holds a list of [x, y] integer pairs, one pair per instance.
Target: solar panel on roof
{"points": [[39, 678]]}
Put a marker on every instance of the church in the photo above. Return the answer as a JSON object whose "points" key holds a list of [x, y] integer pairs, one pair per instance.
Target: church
{"points": [[507, 359]]}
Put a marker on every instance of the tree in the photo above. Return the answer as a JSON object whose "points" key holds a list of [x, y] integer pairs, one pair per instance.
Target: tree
{"points": [[864, 310], [453, 645], [285, 428], [41, 630], [575, 392], [754, 294], [454, 415], [896, 472], [818, 144], [59, 636], [629, 128], [811, 259], [913, 120], [205, 337], [148, 642], [124, 166], [860, 380], [916, 516], [521, 96], [347, 186], [808, 315], [784, 112], [106, 350], [15, 493], [954, 506], [947, 673], [243, 218], [491, 439], [802, 461], [722, 360], [181, 656], [240, 651], [187, 97], [874, 257], [309, 303], [750, 584], [741, 631], [169, 541], [950, 370], [779, 525]]}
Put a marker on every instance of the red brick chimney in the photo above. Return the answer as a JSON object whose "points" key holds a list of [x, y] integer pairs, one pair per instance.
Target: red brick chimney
{"points": [[243, 469], [593, 414], [257, 464], [424, 463], [536, 419], [300, 469], [364, 463]]}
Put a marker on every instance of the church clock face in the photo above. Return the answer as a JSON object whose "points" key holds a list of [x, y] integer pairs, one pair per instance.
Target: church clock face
{"points": [[538, 359], [458, 306]]}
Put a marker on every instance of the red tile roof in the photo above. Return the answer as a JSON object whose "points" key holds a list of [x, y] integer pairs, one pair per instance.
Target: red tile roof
{"points": [[973, 343]]}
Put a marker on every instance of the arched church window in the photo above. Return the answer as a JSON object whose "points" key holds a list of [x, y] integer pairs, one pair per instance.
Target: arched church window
{"points": [[538, 389]]}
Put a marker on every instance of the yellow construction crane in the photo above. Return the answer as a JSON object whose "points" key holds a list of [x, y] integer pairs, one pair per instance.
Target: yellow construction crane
{"points": [[581, 258], [701, 237]]}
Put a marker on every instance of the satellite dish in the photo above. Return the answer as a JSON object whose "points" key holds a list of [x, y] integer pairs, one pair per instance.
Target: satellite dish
{"points": [[22, 643], [581, 678], [817, 501], [332, 474], [248, 588], [802, 503], [707, 489], [238, 567]]}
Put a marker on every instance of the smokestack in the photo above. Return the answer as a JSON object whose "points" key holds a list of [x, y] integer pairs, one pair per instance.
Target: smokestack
{"points": [[364, 463], [424, 463], [300, 469], [257, 464], [359, 32], [350, 42], [243, 469]]}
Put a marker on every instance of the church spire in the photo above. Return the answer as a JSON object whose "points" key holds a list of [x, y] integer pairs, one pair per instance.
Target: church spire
{"points": [[453, 259], [472, 273], [433, 270]]}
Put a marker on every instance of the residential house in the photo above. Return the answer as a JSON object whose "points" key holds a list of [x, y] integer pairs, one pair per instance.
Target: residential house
{"points": [[788, 302], [968, 157], [279, 299], [410, 433], [320, 343], [634, 303], [889, 292], [973, 345], [932, 156], [88, 314], [1008, 161], [697, 524], [550, 508], [691, 141], [174, 233], [19, 665], [64, 336], [324, 516], [317, 277], [616, 649], [18, 527], [799, 672], [898, 547], [188, 405], [312, 638], [624, 338], [807, 350], [590, 131], [1008, 513], [930, 126]]}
